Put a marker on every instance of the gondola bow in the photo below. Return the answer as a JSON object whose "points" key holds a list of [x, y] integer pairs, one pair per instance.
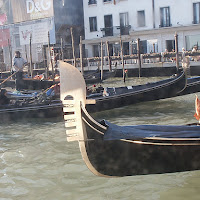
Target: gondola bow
{"points": [[110, 150]]}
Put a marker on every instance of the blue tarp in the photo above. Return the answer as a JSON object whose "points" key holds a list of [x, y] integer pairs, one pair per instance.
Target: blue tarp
{"points": [[115, 132]]}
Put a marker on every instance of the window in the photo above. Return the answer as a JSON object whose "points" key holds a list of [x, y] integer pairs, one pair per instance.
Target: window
{"points": [[92, 2], [17, 41], [134, 47], [93, 24], [126, 48], [191, 41], [141, 18], [170, 45], [196, 13], [152, 46], [95, 50], [124, 23], [108, 22], [143, 46], [117, 49], [110, 46], [165, 17]]}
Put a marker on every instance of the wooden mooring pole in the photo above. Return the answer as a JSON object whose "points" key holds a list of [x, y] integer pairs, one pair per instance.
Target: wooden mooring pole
{"points": [[45, 61], [176, 50], [50, 57], [122, 58], [73, 49], [61, 44], [10, 52], [26, 53], [101, 60], [108, 52], [139, 56], [31, 66], [81, 55]]}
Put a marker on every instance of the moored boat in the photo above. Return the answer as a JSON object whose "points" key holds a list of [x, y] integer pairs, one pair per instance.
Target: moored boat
{"points": [[20, 106], [192, 86], [25, 111], [37, 83], [111, 150], [121, 96]]}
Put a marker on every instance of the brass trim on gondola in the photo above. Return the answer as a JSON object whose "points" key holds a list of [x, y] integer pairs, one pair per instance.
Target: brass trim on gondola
{"points": [[161, 144]]}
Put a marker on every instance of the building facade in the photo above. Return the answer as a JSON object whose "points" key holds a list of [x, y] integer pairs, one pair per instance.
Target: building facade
{"points": [[155, 22], [30, 26]]}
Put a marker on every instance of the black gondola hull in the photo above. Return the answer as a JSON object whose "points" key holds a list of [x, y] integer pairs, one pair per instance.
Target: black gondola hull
{"points": [[111, 150], [149, 92], [140, 157], [120, 158], [53, 110], [193, 85]]}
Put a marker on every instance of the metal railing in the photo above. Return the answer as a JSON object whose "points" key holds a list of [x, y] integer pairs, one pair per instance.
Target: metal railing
{"points": [[90, 2], [162, 58], [124, 30], [116, 30]]}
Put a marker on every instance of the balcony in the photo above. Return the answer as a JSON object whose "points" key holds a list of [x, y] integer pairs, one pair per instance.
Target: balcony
{"points": [[165, 25], [110, 31], [196, 22], [116, 30], [124, 30], [91, 2]]}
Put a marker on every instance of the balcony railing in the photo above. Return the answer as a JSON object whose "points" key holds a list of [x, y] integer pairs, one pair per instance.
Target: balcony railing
{"points": [[90, 2], [107, 0], [124, 30], [116, 30], [165, 25], [196, 22], [108, 31]]}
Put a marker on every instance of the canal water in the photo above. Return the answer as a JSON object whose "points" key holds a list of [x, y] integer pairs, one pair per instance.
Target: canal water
{"points": [[37, 163]]}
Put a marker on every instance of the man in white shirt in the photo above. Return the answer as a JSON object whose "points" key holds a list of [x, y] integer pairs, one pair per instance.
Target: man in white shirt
{"points": [[18, 65]]}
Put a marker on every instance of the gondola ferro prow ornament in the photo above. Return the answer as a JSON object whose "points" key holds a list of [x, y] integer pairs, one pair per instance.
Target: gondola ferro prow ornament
{"points": [[73, 96]]}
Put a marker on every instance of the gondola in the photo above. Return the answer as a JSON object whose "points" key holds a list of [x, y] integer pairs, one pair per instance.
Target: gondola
{"points": [[26, 106], [115, 151], [121, 96], [35, 84], [192, 86], [109, 98], [24, 110], [27, 111]]}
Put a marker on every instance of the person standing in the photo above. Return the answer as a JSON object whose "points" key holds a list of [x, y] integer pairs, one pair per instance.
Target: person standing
{"points": [[18, 65]]}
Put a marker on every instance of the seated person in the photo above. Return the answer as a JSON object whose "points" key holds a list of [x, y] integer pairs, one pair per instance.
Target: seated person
{"points": [[3, 98]]}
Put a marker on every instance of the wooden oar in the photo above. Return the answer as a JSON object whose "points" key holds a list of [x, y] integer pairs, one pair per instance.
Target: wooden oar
{"points": [[7, 78]]}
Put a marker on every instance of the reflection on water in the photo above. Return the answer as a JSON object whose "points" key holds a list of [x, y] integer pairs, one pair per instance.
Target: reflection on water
{"points": [[38, 163], [166, 111]]}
